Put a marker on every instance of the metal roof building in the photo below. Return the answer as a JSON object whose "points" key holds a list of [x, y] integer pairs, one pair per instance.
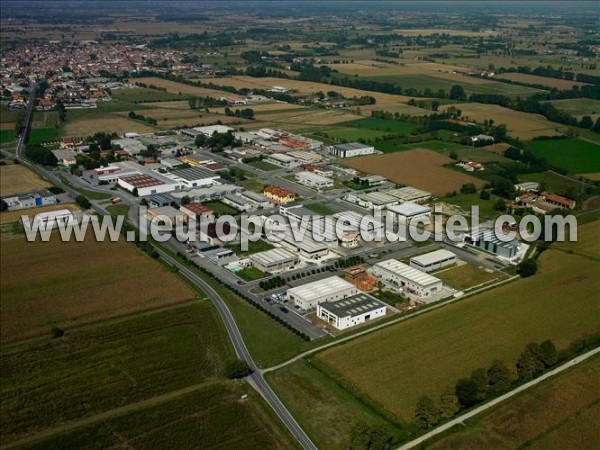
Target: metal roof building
{"points": [[274, 260], [406, 279], [433, 260], [410, 194], [329, 289], [351, 311]]}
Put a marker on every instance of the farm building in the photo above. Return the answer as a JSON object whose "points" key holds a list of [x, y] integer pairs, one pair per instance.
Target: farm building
{"points": [[482, 139], [372, 200], [360, 278], [283, 160], [313, 180], [409, 211], [351, 150], [558, 200], [433, 260], [486, 239], [351, 311], [329, 289], [410, 194], [406, 279], [194, 177], [145, 184], [528, 186], [274, 260]]}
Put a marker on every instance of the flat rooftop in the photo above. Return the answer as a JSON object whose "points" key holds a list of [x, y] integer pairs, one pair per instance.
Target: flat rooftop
{"points": [[433, 257], [408, 193], [410, 273], [353, 306], [142, 181], [409, 209], [194, 173], [273, 256], [321, 288]]}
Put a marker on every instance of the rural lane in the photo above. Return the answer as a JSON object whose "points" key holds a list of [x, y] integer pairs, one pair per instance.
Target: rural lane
{"points": [[461, 419]]}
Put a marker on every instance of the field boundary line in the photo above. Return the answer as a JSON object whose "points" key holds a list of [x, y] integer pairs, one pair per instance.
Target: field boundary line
{"points": [[115, 412], [463, 417], [386, 324]]}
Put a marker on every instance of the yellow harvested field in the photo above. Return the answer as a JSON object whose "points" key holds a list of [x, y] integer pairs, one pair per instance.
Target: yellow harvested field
{"points": [[309, 117], [419, 168], [520, 124], [591, 176], [179, 104], [304, 87], [271, 106], [15, 216], [112, 123], [175, 88], [67, 284], [544, 81], [16, 178]]}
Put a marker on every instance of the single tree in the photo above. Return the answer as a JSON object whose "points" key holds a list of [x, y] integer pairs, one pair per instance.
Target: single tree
{"points": [[448, 404], [426, 412], [499, 377], [527, 268], [548, 354]]}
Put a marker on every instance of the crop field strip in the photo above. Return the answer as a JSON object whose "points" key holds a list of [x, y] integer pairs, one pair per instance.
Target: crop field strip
{"points": [[73, 283]]}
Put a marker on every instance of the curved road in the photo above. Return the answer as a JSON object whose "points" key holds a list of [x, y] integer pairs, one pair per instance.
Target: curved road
{"points": [[256, 378]]}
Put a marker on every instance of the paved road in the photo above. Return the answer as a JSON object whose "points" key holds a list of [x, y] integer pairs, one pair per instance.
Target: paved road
{"points": [[461, 419], [256, 379]]}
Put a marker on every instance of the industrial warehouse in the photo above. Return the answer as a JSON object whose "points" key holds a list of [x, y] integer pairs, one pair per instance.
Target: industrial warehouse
{"points": [[330, 289], [351, 311], [407, 280], [274, 260], [433, 260]]}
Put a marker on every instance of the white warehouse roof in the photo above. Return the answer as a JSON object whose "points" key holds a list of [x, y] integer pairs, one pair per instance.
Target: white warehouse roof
{"points": [[410, 273], [433, 257], [409, 209], [273, 256], [322, 288]]}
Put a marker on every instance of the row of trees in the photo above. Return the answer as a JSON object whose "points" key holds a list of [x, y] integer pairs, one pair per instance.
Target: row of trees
{"points": [[485, 383], [133, 115]]}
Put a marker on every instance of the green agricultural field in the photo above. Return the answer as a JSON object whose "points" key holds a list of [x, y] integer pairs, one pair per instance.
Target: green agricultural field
{"points": [[394, 367], [221, 209], [553, 181], [579, 107], [211, 416], [314, 399], [253, 247], [422, 82], [559, 413], [94, 369], [467, 276], [353, 134], [144, 95], [40, 135], [7, 135], [398, 145], [251, 274], [320, 208], [574, 155], [10, 116], [373, 123]]}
